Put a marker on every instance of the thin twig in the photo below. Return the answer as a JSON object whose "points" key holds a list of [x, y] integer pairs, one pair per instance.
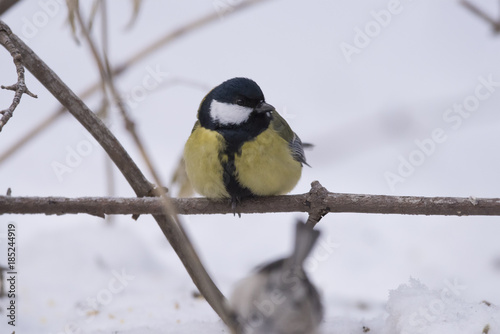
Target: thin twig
{"points": [[20, 86], [324, 202], [95, 53], [104, 28], [130, 171], [169, 37], [135, 13], [108, 82]]}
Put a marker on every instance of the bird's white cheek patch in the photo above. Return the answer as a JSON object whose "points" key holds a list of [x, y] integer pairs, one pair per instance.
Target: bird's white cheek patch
{"points": [[227, 113]]}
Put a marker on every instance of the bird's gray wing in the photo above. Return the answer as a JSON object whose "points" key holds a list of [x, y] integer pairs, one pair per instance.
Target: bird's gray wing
{"points": [[283, 129]]}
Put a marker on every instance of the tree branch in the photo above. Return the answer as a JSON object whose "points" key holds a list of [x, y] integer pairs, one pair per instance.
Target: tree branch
{"points": [[20, 86], [309, 202]]}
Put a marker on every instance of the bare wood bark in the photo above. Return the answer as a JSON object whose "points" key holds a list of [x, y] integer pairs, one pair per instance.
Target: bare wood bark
{"points": [[315, 202], [171, 229]]}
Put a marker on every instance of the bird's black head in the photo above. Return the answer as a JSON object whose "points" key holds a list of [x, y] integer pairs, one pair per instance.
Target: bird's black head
{"points": [[236, 108]]}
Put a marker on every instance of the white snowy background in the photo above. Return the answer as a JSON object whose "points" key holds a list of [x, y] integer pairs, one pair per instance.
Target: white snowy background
{"points": [[386, 273]]}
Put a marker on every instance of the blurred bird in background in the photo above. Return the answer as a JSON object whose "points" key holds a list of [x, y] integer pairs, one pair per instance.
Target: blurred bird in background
{"points": [[279, 298]]}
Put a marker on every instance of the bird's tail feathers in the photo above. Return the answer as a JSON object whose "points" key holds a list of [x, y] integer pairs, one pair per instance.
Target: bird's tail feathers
{"points": [[305, 239]]}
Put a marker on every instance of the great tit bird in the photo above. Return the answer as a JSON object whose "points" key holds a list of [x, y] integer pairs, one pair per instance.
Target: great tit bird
{"points": [[279, 298], [240, 146]]}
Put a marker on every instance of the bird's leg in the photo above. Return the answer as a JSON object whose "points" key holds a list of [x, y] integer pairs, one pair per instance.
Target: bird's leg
{"points": [[234, 202]]}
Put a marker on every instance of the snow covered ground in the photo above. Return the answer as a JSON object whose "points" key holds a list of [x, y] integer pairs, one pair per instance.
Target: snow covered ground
{"points": [[367, 112]]}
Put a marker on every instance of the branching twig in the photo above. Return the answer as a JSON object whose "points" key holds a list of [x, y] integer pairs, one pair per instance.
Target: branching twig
{"points": [[20, 86], [129, 169], [317, 201]]}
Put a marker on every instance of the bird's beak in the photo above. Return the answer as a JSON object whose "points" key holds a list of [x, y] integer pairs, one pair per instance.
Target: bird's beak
{"points": [[264, 107]]}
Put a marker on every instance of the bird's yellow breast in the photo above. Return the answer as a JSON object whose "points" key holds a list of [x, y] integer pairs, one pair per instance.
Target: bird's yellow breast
{"points": [[203, 165], [265, 165]]}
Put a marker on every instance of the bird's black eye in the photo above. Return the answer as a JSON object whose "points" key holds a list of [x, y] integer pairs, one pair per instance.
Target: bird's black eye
{"points": [[240, 102]]}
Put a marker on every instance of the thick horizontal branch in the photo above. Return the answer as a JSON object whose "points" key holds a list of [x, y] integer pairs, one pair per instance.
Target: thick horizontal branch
{"points": [[308, 202]]}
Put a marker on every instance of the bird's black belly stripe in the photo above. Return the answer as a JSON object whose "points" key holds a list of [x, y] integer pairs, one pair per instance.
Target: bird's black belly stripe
{"points": [[233, 187], [234, 138]]}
